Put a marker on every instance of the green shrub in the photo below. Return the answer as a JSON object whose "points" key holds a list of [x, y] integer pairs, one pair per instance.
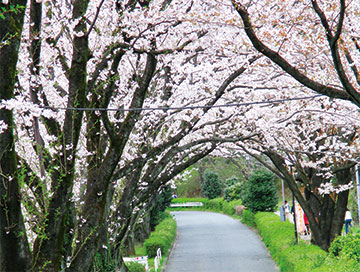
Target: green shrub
{"points": [[215, 204], [352, 250], [211, 186], [104, 262], [229, 207], [233, 192], [135, 267], [260, 193], [232, 181], [153, 243], [162, 237], [276, 235], [338, 244], [248, 218]]}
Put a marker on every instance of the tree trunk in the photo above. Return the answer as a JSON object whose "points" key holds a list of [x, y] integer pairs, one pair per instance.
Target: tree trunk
{"points": [[14, 248], [325, 212], [48, 248]]}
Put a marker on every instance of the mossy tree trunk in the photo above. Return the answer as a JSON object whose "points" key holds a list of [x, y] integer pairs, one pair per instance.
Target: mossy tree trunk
{"points": [[100, 174], [48, 247], [14, 248], [325, 212]]}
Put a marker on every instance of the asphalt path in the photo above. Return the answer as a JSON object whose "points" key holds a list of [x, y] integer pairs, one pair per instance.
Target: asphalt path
{"points": [[212, 242]]}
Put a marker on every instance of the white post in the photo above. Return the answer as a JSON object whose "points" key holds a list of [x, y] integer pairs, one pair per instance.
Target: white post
{"points": [[156, 262], [358, 188]]}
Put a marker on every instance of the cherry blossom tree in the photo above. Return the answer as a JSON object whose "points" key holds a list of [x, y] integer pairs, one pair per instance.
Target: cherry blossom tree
{"points": [[95, 57], [313, 151], [315, 43]]}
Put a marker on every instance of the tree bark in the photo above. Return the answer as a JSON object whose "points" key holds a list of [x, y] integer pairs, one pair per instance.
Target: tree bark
{"points": [[14, 248], [48, 248], [100, 177], [325, 212]]}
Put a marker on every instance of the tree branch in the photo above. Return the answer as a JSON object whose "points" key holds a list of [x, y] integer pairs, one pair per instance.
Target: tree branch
{"points": [[286, 66]]}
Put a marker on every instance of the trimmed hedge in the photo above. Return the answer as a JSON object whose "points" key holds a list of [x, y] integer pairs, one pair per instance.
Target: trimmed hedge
{"points": [[184, 199], [216, 204], [279, 238], [162, 237], [220, 205], [248, 218]]}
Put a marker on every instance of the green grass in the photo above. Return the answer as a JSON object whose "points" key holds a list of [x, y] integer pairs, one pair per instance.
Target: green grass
{"points": [[165, 232], [188, 199]]}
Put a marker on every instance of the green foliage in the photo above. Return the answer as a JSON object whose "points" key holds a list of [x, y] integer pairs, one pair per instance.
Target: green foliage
{"points": [[135, 267], [338, 244], [352, 250], [229, 207], [233, 189], [233, 192], [10, 9], [211, 186], [279, 238], [162, 237], [346, 247], [162, 202], [215, 204], [104, 262], [232, 181], [190, 184], [353, 204], [248, 218], [187, 199], [260, 193]]}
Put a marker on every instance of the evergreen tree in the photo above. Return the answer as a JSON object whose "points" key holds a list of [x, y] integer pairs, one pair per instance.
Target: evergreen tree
{"points": [[260, 192], [211, 185]]}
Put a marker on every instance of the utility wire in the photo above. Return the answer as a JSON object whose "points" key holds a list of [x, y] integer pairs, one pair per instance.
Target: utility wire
{"points": [[187, 107]]}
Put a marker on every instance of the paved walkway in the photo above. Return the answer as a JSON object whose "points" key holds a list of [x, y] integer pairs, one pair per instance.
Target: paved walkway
{"points": [[212, 242]]}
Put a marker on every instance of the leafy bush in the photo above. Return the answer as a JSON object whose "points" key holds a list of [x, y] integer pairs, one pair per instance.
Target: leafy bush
{"points": [[248, 218], [215, 204], [229, 207], [153, 243], [162, 237], [233, 189], [338, 244], [346, 247], [104, 262], [351, 250], [211, 186], [233, 192], [260, 193], [135, 267], [232, 181]]}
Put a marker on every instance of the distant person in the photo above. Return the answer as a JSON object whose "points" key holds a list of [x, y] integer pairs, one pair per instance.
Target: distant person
{"points": [[306, 222], [174, 195], [348, 220], [287, 210]]}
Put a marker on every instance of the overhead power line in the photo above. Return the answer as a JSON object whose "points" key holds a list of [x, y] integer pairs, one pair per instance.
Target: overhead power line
{"points": [[275, 101]]}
